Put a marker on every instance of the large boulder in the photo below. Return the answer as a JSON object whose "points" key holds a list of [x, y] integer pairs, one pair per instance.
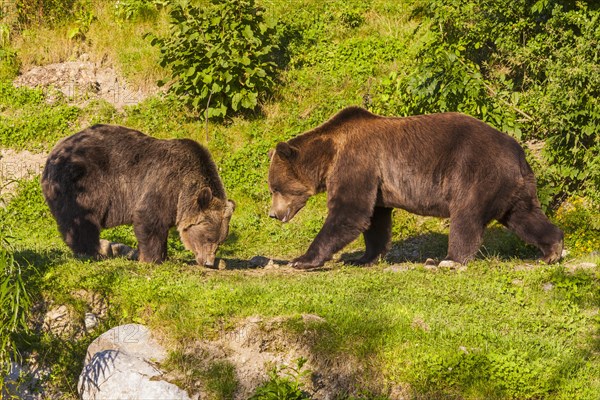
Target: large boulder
{"points": [[122, 364]]}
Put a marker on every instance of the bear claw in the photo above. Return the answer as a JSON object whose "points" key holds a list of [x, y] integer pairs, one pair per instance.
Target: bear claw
{"points": [[299, 264]]}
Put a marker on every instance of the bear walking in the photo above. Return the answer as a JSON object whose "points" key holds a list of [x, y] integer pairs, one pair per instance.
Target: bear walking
{"points": [[443, 165], [105, 176]]}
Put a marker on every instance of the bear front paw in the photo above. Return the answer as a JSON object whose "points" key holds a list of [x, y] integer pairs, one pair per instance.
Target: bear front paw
{"points": [[304, 263]]}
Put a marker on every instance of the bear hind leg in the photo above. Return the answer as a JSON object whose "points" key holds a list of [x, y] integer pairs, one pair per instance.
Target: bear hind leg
{"points": [[533, 227], [465, 238], [377, 236]]}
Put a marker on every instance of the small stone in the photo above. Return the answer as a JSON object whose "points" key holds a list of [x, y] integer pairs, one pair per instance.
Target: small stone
{"points": [[449, 264], [271, 265], [547, 286], [431, 264], [222, 265], [586, 265], [313, 318], [419, 323], [91, 321], [397, 268]]}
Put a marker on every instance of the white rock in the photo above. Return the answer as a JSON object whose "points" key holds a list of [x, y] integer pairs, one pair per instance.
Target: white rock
{"points": [[586, 265], [114, 375], [397, 268], [120, 365], [134, 339], [90, 320], [449, 264]]}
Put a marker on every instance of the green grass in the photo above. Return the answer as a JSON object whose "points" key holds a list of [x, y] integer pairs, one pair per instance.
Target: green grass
{"points": [[493, 331], [507, 327]]}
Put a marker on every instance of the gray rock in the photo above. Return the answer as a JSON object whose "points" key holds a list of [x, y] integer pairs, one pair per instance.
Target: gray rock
{"points": [[113, 374], [120, 364], [586, 265], [397, 268], [90, 320], [134, 339], [449, 264]]}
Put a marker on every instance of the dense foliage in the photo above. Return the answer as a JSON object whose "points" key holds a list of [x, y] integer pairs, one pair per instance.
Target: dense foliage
{"points": [[529, 67], [221, 57], [15, 304], [138, 9]]}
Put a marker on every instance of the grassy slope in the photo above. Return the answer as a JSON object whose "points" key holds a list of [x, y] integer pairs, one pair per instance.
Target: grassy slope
{"points": [[490, 332]]}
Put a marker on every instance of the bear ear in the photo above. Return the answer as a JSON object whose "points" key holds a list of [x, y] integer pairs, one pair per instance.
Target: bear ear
{"points": [[286, 151], [229, 208], [205, 197]]}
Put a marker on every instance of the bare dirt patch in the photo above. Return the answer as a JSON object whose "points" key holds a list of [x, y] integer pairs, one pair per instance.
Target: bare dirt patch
{"points": [[17, 165], [258, 344], [82, 80]]}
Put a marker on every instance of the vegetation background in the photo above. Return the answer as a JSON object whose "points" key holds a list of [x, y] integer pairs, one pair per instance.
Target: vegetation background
{"points": [[266, 71]]}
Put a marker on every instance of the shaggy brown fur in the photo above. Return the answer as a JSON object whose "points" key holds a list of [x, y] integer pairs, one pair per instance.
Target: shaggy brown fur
{"points": [[442, 165], [105, 176]]}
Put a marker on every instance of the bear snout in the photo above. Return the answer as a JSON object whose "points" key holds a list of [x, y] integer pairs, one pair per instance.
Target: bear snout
{"points": [[281, 215]]}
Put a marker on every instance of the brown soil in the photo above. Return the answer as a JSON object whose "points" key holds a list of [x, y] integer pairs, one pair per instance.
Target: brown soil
{"points": [[81, 81]]}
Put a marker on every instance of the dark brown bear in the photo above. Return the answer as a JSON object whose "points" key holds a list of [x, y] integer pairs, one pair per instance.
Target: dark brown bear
{"points": [[442, 165], [105, 176]]}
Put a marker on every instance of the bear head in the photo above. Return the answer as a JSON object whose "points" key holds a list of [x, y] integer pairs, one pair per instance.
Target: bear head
{"points": [[203, 223], [289, 187]]}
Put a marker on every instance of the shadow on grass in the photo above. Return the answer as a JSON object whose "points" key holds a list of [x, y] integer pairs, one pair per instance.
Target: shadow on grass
{"points": [[40, 259], [498, 243]]}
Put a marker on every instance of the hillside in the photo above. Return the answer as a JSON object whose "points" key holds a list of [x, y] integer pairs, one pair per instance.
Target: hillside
{"points": [[506, 326]]}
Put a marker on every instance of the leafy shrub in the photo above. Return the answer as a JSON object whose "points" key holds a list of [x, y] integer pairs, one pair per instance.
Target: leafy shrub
{"points": [[9, 63], [46, 12], [283, 383], [581, 222], [221, 57], [138, 9], [83, 19], [509, 374], [527, 67], [15, 302]]}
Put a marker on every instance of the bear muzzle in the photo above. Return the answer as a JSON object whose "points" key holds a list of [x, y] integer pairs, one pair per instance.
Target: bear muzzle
{"points": [[278, 214]]}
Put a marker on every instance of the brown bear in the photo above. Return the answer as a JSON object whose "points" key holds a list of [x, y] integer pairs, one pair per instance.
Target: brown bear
{"points": [[105, 176], [443, 165]]}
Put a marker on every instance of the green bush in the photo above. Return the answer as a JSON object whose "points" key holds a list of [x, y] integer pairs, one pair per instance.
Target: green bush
{"points": [[580, 220], [283, 383], [138, 9], [15, 302], [221, 57], [46, 12], [528, 67]]}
